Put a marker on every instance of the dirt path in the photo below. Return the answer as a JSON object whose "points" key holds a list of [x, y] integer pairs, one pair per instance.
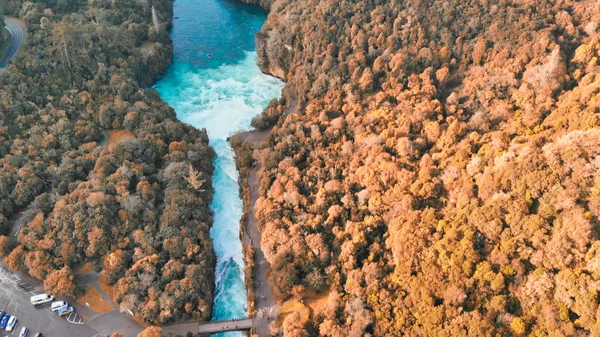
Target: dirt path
{"points": [[264, 300], [18, 219]]}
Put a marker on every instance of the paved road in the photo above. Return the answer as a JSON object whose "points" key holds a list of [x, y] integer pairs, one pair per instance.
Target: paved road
{"points": [[17, 33]]}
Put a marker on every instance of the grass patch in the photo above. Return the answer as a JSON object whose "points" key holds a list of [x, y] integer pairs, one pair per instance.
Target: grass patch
{"points": [[94, 299], [115, 136], [291, 306], [147, 46], [84, 269], [311, 303]]}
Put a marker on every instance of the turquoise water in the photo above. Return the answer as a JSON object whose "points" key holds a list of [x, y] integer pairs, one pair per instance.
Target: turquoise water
{"points": [[221, 94]]}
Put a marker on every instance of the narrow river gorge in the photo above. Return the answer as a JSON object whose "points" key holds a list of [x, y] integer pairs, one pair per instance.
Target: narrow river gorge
{"points": [[215, 83]]}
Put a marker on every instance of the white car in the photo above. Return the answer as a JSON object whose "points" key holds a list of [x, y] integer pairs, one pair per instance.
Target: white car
{"points": [[41, 299], [12, 322], [57, 305], [24, 332]]}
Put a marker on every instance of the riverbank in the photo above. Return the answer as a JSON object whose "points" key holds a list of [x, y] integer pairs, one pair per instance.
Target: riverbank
{"points": [[260, 293], [263, 302], [140, 189], [222, 94], [180, 145]]}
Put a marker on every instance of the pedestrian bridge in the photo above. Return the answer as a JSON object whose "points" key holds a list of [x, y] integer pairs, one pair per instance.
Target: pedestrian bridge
{"points": [[224, 326]]}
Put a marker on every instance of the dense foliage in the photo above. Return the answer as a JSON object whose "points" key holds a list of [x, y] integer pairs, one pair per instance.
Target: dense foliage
{"points": [[440, 176], [2, 24], [139, 206], [2, 34]]}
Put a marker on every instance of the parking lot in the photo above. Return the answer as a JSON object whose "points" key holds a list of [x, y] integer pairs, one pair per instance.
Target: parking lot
{"points": [[14, 299]]}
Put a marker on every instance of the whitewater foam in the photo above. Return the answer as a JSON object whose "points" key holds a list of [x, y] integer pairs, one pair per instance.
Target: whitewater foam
{"points": [[223, 100]]}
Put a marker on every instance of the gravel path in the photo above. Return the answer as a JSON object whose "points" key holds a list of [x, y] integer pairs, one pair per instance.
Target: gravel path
{"points": [[264, 301]]}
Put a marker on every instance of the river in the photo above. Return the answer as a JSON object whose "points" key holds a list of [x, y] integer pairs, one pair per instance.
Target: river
{"points": [[214, 83]]}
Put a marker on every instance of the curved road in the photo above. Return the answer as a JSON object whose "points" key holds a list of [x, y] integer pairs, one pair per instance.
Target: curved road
{"points": [[16, 31]]}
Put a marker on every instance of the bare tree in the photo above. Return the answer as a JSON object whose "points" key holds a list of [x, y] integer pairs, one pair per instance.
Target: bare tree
{"points": [[193, 179]]}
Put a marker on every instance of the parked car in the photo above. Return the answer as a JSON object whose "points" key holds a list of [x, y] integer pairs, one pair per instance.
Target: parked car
{"points": [[57, 305], [24, 332], [61, 309], [41, 299], [4, 321], [12, 322], [39, 334], [67, 309], [2, 312]]}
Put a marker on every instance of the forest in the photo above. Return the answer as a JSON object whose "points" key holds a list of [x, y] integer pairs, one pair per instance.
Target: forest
{"points": [[3, 36], [439, 175], [138, 208]]}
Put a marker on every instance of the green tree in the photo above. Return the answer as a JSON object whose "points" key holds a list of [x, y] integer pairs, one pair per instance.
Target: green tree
{"points": [[2, 33]]}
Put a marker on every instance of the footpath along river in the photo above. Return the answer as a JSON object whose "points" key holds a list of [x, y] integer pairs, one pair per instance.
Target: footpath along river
{"points": [[215, 83]]}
